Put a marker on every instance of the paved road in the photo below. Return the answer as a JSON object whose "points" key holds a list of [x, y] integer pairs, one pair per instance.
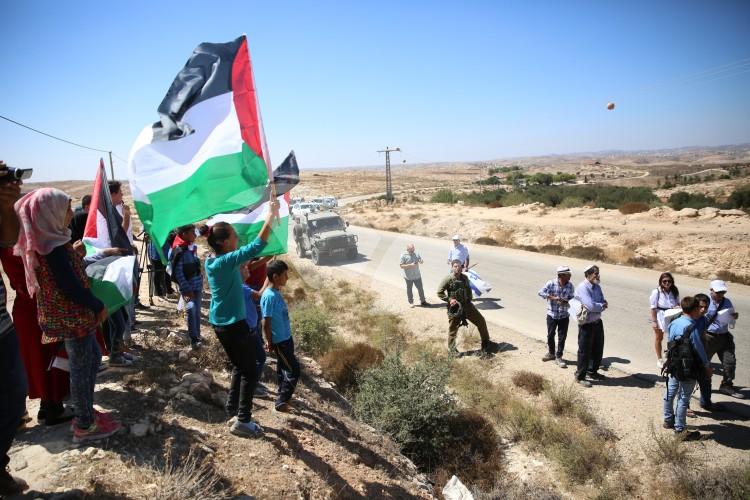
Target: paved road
{"points": [[518, 275]]}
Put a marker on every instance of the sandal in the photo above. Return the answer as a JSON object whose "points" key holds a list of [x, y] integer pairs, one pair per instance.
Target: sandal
{"points": [[690, 413]]}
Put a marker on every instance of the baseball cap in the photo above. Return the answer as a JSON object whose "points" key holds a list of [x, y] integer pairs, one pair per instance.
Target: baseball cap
{"points": [[590, 267], [456, 237], [718, 286], [563, 270]]}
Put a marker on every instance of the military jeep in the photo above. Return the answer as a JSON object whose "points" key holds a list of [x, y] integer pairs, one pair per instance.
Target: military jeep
{"points": [[324, 235]]}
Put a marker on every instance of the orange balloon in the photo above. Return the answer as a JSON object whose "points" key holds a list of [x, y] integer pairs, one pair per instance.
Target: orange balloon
{"points": [[610, 106]]}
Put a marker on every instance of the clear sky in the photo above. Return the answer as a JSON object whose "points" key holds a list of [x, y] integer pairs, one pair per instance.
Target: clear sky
{"points": [[338, 80]]}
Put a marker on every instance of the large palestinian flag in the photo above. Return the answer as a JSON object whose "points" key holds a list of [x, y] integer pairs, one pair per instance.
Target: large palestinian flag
{"points": [[249, 221], [207, 154]]}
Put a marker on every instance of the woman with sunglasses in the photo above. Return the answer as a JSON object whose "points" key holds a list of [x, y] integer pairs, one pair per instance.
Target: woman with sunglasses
{"points": [[664, 297]]}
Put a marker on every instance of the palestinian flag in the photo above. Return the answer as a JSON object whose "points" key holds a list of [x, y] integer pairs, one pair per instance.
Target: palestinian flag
{"points": [[207, 154], [104, 224], [249, 221], [111, 280]]}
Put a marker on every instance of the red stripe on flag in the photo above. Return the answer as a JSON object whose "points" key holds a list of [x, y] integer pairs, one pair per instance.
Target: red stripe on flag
{"points": [[90, 229], [245, 100]]}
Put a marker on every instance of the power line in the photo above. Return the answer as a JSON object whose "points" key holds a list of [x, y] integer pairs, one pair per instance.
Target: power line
{"points": [[54, 137]]}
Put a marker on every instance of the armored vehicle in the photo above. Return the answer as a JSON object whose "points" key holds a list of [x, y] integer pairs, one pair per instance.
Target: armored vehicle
{"points": [[324, 235]]}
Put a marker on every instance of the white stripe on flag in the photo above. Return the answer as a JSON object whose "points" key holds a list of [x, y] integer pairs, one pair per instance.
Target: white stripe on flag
{"points": [[120, 272], [256, 215], [162, 164]]}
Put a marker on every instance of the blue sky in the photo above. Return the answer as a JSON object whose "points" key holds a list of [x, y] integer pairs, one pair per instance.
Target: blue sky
{"points": [[445, 81]]}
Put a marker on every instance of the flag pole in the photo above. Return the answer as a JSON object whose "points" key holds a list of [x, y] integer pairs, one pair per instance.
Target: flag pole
{"points": [[111, 166]]}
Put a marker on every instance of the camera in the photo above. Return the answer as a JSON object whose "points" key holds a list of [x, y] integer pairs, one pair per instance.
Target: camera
{"points": [[11, 174]]}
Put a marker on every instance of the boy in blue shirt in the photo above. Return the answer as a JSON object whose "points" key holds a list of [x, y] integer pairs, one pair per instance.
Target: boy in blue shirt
{"points": [[687, 324], [278, 334]]}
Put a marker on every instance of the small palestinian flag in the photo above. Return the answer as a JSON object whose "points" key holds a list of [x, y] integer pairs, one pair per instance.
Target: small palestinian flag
{"points": [[248, 222], [104, 224], [111, 280], [207, 154]]}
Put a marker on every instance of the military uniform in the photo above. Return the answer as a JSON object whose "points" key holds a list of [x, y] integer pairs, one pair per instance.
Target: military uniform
{"points": [[458, 288]]}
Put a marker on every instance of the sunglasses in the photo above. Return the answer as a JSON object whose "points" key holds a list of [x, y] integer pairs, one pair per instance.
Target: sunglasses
{"points": [[667, 281]]}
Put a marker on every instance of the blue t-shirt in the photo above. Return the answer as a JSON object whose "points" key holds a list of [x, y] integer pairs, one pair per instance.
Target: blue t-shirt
{"points": [[273, 305], [223, 273], [250, 309]]}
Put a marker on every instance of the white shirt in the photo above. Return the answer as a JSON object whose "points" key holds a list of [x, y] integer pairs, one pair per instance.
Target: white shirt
{"points": [[458, 252], [661, 301]]}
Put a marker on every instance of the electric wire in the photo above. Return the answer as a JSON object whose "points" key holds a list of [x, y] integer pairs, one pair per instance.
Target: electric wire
{"points": [[54, 137]]}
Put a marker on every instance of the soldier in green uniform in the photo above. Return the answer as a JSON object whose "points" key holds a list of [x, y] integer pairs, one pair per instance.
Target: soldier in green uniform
{"points": [[456, 291]]}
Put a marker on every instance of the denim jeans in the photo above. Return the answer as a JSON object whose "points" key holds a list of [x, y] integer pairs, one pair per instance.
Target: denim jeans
{"points": [[13, 391], [682, 390], [287, 370], [84, 357], [194, 316], [590, 348], [561, 325], [420, 290], [240, 348]]}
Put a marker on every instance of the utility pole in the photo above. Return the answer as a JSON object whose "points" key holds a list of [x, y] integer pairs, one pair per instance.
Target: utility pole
{"points": [[111, 166], [388, 183]]}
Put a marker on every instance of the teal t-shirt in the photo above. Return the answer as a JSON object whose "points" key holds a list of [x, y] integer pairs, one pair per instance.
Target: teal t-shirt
{"points": [[225, 282], [273, 305]]}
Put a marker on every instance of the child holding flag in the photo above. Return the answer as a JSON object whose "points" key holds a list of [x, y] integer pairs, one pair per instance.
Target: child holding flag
{"points": [[227, 315]]}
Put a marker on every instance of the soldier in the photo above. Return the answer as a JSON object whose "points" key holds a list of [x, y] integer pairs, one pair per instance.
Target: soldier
{"points": [[298, 231], [456, 291]]}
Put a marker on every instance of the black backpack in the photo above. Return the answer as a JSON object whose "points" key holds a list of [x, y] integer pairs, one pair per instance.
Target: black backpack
{"points": [[189, 270], [682, 361]]}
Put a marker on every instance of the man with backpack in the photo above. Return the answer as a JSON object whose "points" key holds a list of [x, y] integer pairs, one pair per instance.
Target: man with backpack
{"points": [[685, 358]]}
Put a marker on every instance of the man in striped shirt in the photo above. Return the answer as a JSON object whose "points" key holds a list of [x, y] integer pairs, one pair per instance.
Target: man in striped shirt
{"points": [[557, 293]]}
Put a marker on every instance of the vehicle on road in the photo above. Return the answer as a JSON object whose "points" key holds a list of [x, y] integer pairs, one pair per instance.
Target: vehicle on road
{"points": [[304, 208], [327, 202], [325, 236]]}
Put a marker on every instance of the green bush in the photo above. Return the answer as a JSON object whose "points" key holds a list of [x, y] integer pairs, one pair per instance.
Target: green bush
{"points": [[681, 199], [444, 196], [311, 328], [740, 198], [411, 404]]}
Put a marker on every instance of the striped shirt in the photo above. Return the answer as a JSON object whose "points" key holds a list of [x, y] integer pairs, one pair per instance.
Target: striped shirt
{"points": [[556, 309]]}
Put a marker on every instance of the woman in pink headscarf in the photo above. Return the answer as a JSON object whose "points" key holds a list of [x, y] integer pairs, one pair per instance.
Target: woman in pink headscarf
{"points": [[68, 311]]}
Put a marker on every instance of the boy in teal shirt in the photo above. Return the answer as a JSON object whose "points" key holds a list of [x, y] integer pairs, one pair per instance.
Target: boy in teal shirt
{"points": [[278, 333]]}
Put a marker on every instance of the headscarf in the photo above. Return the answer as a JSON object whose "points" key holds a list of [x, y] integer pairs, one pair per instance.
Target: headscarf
{"points": [[41, 214]]}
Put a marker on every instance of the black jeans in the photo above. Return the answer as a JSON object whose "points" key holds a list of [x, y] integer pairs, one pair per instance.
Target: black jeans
{"points": [[590, 348], [561, 325], [240, 347], [723, 345], [287, 370], [420, 290], [13, 391]]}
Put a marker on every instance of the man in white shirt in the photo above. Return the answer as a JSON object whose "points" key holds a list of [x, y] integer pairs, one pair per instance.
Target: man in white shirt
{"points": [[459, 252]]}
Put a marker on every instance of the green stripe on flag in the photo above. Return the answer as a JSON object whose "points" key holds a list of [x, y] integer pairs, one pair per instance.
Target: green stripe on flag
{"points": [[277, 241], [109, 294], [220, 184]]}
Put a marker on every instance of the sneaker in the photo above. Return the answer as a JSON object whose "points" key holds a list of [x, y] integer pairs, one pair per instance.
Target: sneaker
{"points": [[130, 357], [729, 390], [584, 383], [561, 363], [261, 390], [232, 421], [246, 429], [548, 357], [686, 435], [660, 363], [285, 407], [196, 344], [668, 424], [65, 416], [10, 485], [100, 429], [424, 304], [104, 416], [119, 361], [596, 375]]}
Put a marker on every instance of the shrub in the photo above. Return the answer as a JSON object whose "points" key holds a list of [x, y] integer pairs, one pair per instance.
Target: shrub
{"points": [[551, 249], [681, 199], [564, 399], [383, 329], [730, 276], [444, 196], [311, 326], [583, 456], [666, 448], [529, 381], [524, 422], [740, 198], [191, 478], [410, 403], [634, 208], [647, 261], [484, 240], [588, 253], [343, 366]]}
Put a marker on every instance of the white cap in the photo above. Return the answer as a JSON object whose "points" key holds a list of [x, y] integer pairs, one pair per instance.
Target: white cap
{"points": [[718, 286], [589, 268], [456, 237], [563, 270]]}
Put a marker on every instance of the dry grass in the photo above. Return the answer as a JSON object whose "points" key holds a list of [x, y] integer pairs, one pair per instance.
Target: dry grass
{"points": [[531, 382], [343, 366], [634, 208], [733, 277], [485, 240], [667, 449], [588, 253]]}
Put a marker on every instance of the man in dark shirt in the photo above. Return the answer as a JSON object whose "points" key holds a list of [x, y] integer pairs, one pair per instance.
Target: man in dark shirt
{"points": [[13, 386], [78, 224]]}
